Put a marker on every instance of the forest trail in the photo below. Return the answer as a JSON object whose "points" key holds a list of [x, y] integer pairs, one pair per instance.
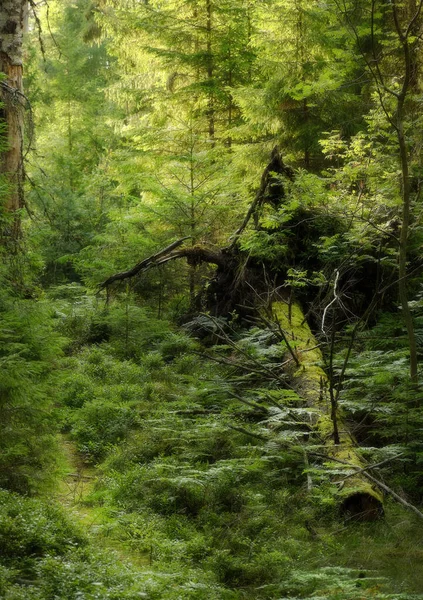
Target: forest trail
{"points": [[76, 485]]}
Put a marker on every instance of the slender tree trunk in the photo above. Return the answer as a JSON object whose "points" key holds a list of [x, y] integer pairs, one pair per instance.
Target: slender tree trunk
{"points": [[407, 21], [409, 85], [230, 104], [211, 110], [13, 18], [402, 271], [411, 11]]}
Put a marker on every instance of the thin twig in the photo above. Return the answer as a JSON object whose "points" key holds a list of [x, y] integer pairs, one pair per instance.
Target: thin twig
{"points": [[246, 432], [249, 403], [394, 495], [228, 340], [370, 467], [335, 298], [380, 484], [283, 336]]}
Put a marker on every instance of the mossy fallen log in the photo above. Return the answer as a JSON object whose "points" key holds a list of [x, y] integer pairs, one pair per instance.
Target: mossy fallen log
{"points": [[230, 291], [358, 497]]}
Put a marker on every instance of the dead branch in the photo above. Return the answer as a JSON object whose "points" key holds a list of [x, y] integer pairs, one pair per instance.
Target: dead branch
{"points": [[377, 482], [277, 166], [370, 467], [143, 265], [249, 367], [249, 359], [249, 403], [394, 495], [195, 255], [271, 190], [282, 334], [250, 433]]}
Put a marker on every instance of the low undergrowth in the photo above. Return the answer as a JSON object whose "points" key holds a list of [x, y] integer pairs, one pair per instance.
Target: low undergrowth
{"points": [[200, 473]]}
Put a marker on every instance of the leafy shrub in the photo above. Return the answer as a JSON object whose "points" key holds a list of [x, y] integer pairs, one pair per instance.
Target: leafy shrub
{"points": [[236, 568], [77, 315], [77, 389], [100, 424], [92, 576], [212, 444], [176, 345], [29, 349], [379, 397], [163, 487], [133, 330], [141, 447], [29, 528]]}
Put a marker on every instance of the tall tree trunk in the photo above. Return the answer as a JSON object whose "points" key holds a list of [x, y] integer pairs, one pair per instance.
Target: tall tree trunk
{"points": [[13, 18], [211, 110], [409, 86]]}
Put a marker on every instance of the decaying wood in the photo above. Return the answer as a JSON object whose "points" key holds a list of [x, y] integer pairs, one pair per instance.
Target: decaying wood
{"points": [[270, 190], [358, 496], [371, 467], [377, 482], [394, 495], [143, 265]]}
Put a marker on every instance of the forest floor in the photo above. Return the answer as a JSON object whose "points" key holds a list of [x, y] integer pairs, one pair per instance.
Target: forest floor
{"points": [[75, 491], [396, 561]]}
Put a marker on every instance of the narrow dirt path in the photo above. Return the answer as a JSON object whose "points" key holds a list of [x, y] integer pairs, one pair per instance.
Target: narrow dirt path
{"points": [[76, 485], [78, 479]]}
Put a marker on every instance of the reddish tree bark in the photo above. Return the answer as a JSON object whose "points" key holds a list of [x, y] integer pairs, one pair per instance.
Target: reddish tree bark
{"points": [[13, 18]]}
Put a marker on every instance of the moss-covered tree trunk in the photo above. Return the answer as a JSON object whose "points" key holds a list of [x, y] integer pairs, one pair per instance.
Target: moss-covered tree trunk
{"points": [[358, 497]]}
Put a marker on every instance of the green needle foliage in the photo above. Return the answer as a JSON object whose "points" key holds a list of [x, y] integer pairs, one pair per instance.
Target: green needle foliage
{"points": [[29, 351], [176, 437]]}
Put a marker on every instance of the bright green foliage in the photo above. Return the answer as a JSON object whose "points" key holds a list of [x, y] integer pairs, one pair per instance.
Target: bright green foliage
{"points": [[154, 121], [29, 351], [379, 397], [45, 557], [200, 51], [70, 185], [29, 529], [208, 504], [306, 72]]}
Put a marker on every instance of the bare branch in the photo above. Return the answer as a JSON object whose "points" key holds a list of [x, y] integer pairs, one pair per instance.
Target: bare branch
{"points": [[277, 166], [414, 19], [370, 467], [335, 298], [380, 484], [282, 334], [394, 495], [142, 265]]}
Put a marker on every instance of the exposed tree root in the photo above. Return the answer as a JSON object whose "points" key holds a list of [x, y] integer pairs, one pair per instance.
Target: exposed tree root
{"points": [[239, 281]]}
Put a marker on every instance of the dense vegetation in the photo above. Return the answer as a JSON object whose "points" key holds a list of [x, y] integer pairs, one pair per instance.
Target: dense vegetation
{"points": [[182, 432]]}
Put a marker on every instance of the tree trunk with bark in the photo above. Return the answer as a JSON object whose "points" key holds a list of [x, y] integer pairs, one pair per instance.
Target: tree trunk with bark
{"points": [[408, 35], [13, 19]]}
